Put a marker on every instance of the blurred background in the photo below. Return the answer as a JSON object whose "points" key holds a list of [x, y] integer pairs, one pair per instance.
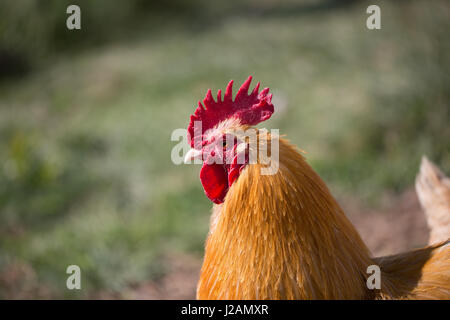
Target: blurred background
{"points": [[86, 118]]}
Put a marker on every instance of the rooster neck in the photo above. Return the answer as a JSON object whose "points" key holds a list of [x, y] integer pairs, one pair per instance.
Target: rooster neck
{"points": [[282, 236]]}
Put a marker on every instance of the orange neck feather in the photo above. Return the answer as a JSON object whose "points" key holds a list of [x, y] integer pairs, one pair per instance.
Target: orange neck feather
{"points": [[282, 236]]}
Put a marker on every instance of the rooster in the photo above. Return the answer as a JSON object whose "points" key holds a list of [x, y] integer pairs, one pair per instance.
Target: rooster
{"points": [[283, 235]]}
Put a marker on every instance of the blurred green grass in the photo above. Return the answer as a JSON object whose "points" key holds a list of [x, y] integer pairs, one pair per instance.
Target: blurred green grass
{"points": [[86, 174]]}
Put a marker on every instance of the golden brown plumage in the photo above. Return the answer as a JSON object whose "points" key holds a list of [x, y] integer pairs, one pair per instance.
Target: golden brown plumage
{"points": [[418, 274], [284, 236]]}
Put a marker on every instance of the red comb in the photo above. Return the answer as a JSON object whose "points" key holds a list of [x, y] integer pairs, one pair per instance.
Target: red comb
{"points": [[250, 109]]}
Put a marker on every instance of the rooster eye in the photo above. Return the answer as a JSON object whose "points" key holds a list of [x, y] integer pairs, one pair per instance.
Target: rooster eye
{"points": [[224, 143]]}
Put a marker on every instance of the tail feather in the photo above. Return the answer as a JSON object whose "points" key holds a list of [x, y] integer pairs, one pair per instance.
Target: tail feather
{"points": [[433, 190]]}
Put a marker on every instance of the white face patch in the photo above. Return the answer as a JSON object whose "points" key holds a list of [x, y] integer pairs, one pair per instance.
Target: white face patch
{"points": [[226, 126]]}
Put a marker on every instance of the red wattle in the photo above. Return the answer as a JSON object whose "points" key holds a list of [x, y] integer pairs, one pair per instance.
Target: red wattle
{"points": [[215, 182], [234, 170]]}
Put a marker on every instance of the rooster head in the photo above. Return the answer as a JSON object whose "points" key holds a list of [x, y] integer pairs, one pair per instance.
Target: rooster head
{"points": [[213, 138]]}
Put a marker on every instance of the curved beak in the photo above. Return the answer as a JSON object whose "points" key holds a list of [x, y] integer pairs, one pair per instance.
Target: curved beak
{"points": [[192, 155]]}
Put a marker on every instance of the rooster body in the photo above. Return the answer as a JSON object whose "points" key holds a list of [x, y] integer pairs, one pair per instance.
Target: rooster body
{"points": [[284, 236]]}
